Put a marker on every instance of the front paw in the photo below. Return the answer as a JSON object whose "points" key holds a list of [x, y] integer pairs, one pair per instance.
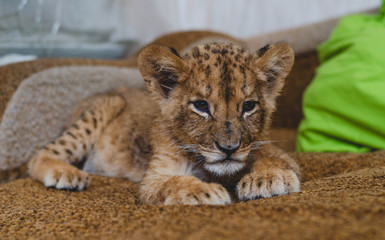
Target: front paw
{"points": [[202, 193], [66, 177], [267, 183]]}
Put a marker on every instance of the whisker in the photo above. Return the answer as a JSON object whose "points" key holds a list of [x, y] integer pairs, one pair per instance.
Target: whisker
{"points": [[188, 148], [164, 86], [258, 144]]}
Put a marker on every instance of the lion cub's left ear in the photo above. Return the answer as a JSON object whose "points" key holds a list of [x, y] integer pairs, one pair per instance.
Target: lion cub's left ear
{"points": [[162, 69], [274, 62]]}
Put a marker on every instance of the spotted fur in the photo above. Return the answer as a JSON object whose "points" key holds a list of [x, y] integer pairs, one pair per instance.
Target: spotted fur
{"points": [[199, 135]]}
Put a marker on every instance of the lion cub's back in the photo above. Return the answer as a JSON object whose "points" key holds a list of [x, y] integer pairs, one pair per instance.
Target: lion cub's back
{"points": [[138, 102]]}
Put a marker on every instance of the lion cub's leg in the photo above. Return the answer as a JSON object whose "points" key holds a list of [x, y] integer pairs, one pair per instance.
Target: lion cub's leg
{"points": [[169, 181], [52, 165], [272, 175]]}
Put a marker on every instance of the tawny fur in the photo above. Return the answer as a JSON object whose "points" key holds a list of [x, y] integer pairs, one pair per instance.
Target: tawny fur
{"points": [[199, 135]]}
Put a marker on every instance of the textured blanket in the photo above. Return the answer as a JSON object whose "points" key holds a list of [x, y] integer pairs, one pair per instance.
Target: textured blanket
{"points": [[342, 197]]}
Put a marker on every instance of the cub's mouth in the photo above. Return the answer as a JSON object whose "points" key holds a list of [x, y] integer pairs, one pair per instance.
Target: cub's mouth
{"points": [[221, 163]]}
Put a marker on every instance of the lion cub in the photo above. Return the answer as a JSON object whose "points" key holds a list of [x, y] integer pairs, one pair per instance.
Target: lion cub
{"points": [[197, 136]]}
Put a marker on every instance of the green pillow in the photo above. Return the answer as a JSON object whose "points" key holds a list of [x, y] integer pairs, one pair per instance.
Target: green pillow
{"points": [[344, 106]]}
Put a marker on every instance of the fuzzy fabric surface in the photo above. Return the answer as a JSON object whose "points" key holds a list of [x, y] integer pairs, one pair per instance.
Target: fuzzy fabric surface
{"points": [[342, 197], [42, 105]]}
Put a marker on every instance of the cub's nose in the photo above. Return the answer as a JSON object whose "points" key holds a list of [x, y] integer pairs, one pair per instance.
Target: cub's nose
{"points": [[227, 148]]}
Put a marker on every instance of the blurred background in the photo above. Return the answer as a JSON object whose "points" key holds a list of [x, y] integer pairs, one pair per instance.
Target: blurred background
{"points": [[114, 28]]}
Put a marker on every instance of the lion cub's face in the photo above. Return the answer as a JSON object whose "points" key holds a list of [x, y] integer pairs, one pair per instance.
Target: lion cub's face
{"points": [[217, 99]]}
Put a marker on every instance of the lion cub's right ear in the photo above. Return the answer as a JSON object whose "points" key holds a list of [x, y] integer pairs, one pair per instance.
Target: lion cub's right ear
{"points": [[162, 69]]}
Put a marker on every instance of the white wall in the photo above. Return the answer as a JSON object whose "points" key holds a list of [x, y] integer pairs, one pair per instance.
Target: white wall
{"points": [[147, 19]]}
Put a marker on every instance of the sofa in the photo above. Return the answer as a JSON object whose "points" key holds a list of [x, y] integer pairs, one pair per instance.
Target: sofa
{"points": [[342, 194]]}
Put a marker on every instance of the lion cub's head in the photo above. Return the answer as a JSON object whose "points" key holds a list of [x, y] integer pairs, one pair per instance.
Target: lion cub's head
{"points": [[217, 99]]}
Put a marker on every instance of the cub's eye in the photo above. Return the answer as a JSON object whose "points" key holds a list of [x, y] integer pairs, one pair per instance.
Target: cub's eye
{"points": [[248, 106], [202, 106]]}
